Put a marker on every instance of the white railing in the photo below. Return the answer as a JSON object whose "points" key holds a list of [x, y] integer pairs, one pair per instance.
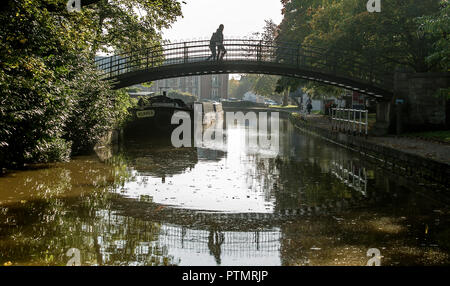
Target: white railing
{"points": [[353, 176], [354, 121]]}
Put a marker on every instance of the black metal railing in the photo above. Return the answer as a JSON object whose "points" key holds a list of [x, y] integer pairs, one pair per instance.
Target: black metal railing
{"points": [[340, 64]]}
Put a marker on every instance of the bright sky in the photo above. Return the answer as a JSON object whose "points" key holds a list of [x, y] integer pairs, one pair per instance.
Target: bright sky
{"points": [[240, 17]]}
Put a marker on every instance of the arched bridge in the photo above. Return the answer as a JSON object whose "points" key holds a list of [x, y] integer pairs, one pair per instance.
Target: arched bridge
{"points": [[336, 68]]}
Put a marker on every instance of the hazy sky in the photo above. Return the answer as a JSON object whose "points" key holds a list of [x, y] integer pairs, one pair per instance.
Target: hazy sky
{"points": [[240, 18]]}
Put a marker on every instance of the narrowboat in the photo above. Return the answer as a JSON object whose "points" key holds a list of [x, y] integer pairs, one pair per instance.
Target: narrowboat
{"points": [[153, 116]]}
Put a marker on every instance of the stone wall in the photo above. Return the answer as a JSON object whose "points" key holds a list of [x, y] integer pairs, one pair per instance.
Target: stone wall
{"points": [[383, 124], [424, 107], [418, 104]]}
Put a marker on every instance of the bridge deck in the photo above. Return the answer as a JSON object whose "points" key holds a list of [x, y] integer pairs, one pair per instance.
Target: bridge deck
{"points": [[335, 68]]}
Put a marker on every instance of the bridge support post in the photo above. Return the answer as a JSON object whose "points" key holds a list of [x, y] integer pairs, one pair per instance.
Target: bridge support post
{"points": [[389, 116], [418, 104], [259, 52], [421, 101], [383, 119]]}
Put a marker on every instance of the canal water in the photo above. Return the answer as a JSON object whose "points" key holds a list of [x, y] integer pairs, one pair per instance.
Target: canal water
{"points": [[307, 202]]}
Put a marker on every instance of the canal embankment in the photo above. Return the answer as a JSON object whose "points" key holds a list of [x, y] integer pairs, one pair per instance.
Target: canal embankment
{"points": [[284, 113], [411, 157]]}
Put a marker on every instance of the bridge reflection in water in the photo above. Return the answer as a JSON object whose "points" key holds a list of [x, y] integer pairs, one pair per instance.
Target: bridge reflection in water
{"points": [[174, 244], [223, 230], [258, 247], [205, 206]]}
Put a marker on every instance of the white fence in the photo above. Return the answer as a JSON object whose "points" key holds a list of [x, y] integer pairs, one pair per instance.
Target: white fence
{"points": [[354, 121]]}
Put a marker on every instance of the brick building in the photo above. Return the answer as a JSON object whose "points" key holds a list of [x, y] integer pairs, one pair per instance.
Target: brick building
{"points": [[209, 86]]}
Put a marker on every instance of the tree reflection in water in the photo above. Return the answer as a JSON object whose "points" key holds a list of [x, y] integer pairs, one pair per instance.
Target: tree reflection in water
{"points": [[89, 205]]}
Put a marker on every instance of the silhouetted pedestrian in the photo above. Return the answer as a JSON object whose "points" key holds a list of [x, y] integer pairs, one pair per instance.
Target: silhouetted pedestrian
{"points": [[221, 49], [212, 46], [309, 105]]}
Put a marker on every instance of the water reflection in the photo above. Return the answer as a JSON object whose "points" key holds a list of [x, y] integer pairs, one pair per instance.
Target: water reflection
{"points": [[353, 176], [158, 158], [311, 203]]}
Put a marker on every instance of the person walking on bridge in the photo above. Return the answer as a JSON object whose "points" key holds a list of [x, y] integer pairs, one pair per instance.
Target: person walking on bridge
{"points": [[221, 49], [212, 46]]}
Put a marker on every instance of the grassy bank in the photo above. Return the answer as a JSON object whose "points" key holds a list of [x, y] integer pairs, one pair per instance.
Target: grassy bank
{"points": [[284, 107], [443, 135]]}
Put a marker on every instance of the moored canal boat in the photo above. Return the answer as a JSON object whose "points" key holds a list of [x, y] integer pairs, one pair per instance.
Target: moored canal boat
{"points": [[153, 116]]}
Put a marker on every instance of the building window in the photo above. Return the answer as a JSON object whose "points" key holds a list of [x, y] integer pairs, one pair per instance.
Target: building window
{"points": [[215, 81], [173, 82], [214, 93]]}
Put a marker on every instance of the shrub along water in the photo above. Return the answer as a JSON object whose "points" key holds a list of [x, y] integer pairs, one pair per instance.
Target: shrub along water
{"points": [[53, 103]]}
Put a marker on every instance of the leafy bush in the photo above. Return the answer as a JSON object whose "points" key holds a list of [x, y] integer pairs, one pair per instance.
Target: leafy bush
{"points": [[53, 100], [57, 149], [184, 96]]}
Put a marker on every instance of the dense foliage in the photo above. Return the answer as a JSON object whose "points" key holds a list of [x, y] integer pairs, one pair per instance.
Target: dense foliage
{"points": [[438, 25], [407, 34], [53, 102], [261, 84], [391, 39], [186, 97]]}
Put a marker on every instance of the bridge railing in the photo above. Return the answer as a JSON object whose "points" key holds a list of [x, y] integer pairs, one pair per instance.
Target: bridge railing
{"points": [[287, 54]]}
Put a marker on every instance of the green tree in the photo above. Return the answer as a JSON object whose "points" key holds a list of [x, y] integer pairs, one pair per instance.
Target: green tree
{"points": [[265, 84], [245, 84], [438, 26], [186, 97], [130, 25], [124, 25], [386, 39], [381, 41], [269, 33], [53, 101], [293, 29], [262, 84], [233, 84]]}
